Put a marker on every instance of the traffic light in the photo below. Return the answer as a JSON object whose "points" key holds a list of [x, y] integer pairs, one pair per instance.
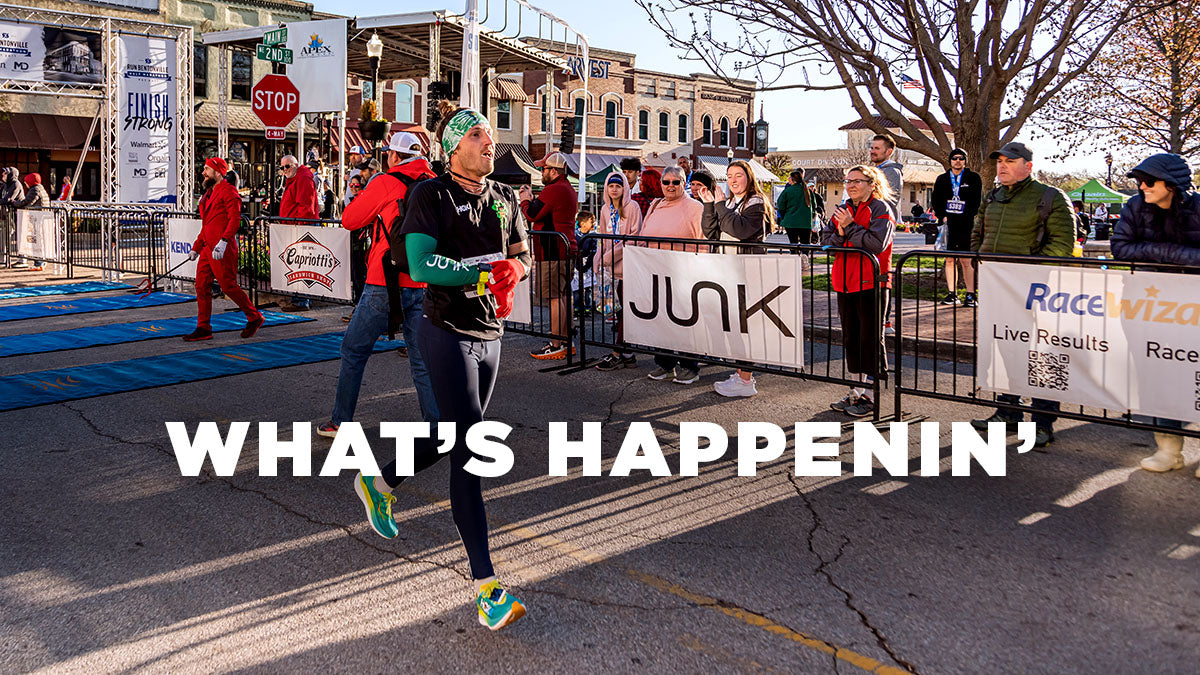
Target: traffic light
{"points": [[566, 139]]}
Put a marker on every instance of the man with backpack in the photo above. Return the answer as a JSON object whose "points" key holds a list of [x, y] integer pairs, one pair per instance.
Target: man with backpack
{"points": [[1024, 217], [388, 291]]}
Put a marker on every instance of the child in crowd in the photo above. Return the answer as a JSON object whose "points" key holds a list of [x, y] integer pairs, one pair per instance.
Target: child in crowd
{"points": [[584, 298]]}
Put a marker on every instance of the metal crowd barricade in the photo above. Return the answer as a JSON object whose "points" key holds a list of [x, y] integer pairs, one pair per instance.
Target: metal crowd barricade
{"points": [[116, 239], [540, 295], [936, 346], [254, 266], [822, 335]]}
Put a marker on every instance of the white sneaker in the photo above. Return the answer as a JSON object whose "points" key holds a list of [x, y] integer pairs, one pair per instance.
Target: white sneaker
{"points": [[736, 386]]}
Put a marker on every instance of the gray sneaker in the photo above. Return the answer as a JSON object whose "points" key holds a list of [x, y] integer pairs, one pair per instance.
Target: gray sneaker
{"points": [[662, 374], [685, 376], [840, 406], [861, 408]]}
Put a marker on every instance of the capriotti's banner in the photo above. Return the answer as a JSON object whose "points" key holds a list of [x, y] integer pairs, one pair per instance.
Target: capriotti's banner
{"points": [[146, 133], [310, 260], [1107, 338], [747, 307]]}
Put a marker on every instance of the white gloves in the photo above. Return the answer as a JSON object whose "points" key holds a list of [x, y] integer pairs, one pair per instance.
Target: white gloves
{"points": [[218, 251], [194, 254]]}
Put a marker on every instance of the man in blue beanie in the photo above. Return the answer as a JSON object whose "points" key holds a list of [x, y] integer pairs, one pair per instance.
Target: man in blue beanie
{"points": [[1161, 224]]}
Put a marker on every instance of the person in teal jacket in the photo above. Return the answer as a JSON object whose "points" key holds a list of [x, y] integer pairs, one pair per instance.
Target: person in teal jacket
{"points": [[795, 207]]}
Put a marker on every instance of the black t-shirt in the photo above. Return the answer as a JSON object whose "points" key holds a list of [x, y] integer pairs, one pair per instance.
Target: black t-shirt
{"points": [[468, 228]]}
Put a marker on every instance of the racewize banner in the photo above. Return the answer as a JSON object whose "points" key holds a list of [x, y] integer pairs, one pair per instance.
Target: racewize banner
{"points": [[147, 134], [37, 235], [318, 63], [310, 260], [747, 307], [1107, 338], [181, 232]]}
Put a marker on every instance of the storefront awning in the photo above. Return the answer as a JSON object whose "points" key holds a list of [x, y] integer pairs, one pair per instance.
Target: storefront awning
{"points": [[595, 162], [506, 90], [718, 165], [31, 131]]}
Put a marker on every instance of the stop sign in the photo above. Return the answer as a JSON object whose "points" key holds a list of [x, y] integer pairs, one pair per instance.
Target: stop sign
{"points": [[275, 100]]}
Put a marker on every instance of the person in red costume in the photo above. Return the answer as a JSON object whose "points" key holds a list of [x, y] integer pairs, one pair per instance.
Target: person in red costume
{"points": [[299, 198], [216, 251]]}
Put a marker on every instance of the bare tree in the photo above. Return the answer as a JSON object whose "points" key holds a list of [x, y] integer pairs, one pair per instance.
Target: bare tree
{"points": [[779, 163], [985, 66], [1143, 92]]}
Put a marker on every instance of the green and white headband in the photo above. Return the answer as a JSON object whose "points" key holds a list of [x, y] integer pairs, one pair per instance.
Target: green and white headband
{"points": [[458, 126]]}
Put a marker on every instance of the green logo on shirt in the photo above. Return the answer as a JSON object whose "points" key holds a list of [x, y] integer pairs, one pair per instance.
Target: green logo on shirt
{"points": [[501, 212]]}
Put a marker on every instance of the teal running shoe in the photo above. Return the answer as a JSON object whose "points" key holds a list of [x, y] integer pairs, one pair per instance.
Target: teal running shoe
{"points": [[378, 505], [497, 608]]}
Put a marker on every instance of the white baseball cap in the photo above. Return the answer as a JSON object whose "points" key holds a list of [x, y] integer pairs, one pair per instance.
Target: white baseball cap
{"points": [[358, 150], [406, 143]]}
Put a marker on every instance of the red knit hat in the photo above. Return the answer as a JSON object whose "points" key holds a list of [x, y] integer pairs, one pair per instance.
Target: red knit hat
{"points": [[217, 164]]}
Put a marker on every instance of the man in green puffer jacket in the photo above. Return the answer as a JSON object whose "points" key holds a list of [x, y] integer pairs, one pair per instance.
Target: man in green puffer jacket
{"points": [[1023, 217]]}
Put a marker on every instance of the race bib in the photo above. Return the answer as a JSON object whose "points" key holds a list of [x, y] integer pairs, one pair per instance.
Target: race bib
{"points": [[473, 291], [957, 206]]}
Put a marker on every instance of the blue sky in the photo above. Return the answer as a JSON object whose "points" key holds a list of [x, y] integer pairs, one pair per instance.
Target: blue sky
{"points": [[799, 120]]}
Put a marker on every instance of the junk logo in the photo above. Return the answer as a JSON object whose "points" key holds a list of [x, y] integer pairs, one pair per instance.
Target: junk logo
{"points": [[742, 313], [310, 262]]}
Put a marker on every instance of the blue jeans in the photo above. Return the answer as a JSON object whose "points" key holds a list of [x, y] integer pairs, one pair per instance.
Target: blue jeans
{"points": [[370, 320]]}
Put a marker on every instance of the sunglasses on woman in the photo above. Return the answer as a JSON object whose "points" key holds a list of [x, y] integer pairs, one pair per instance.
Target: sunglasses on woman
{"points": [[672, 182]]}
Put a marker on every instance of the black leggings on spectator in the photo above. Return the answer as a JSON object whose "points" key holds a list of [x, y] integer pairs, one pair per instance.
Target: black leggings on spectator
{"points": [[463, 371], [862, 332]]}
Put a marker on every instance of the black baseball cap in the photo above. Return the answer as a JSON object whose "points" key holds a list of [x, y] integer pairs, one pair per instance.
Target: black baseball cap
{"points": [[1014, 150]]}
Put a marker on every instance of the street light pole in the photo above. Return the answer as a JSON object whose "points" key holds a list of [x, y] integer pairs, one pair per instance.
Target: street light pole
{"points": [[1108, 161], [374, 52]]}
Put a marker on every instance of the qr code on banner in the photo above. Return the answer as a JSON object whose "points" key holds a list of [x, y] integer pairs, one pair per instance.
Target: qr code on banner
{"points": [[1049, 371], [1196, 392]]}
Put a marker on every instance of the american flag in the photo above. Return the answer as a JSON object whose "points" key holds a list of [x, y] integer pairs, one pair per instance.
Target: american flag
{"points": [[907, 82]]}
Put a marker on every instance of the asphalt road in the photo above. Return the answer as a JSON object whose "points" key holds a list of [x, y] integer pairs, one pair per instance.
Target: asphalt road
{"points": [[112, 561]]}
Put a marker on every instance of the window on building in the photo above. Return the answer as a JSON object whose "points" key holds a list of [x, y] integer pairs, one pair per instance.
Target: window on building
{"points": [[644, 125], [741, 134], [368, 91], [200, 71], [664, 127], [706, 130], [723, 139], [504, 115], [683, 128], [242, 65], [610, 119], [546, 113], [404, 102], [579, 116]]}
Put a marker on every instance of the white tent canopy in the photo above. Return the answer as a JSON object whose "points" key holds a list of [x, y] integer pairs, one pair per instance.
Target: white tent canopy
{"points": [[718, 165]]}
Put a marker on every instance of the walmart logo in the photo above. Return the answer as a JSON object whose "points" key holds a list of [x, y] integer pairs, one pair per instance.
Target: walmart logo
{"points": [[1150, 308]]}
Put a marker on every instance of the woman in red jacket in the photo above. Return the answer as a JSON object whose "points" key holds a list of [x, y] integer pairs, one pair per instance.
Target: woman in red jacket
{"points": [[864, 222], [217, 251]]}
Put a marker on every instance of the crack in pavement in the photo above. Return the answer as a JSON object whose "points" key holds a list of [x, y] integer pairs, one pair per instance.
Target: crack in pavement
{"points": [[848, 597], [621, 394], [228, 482]]}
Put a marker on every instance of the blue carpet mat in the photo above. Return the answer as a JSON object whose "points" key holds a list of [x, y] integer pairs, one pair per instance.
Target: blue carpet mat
{"points": [[38, 310], [118, 333], [61, 289], [69, 384]]}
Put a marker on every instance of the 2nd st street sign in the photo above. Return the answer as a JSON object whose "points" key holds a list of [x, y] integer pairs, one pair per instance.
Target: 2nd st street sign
{"points": [[273, 54]]}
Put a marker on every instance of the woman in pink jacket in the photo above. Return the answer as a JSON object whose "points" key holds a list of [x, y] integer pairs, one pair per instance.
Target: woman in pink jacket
{"points": [[675, 216], [621, 216]]}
